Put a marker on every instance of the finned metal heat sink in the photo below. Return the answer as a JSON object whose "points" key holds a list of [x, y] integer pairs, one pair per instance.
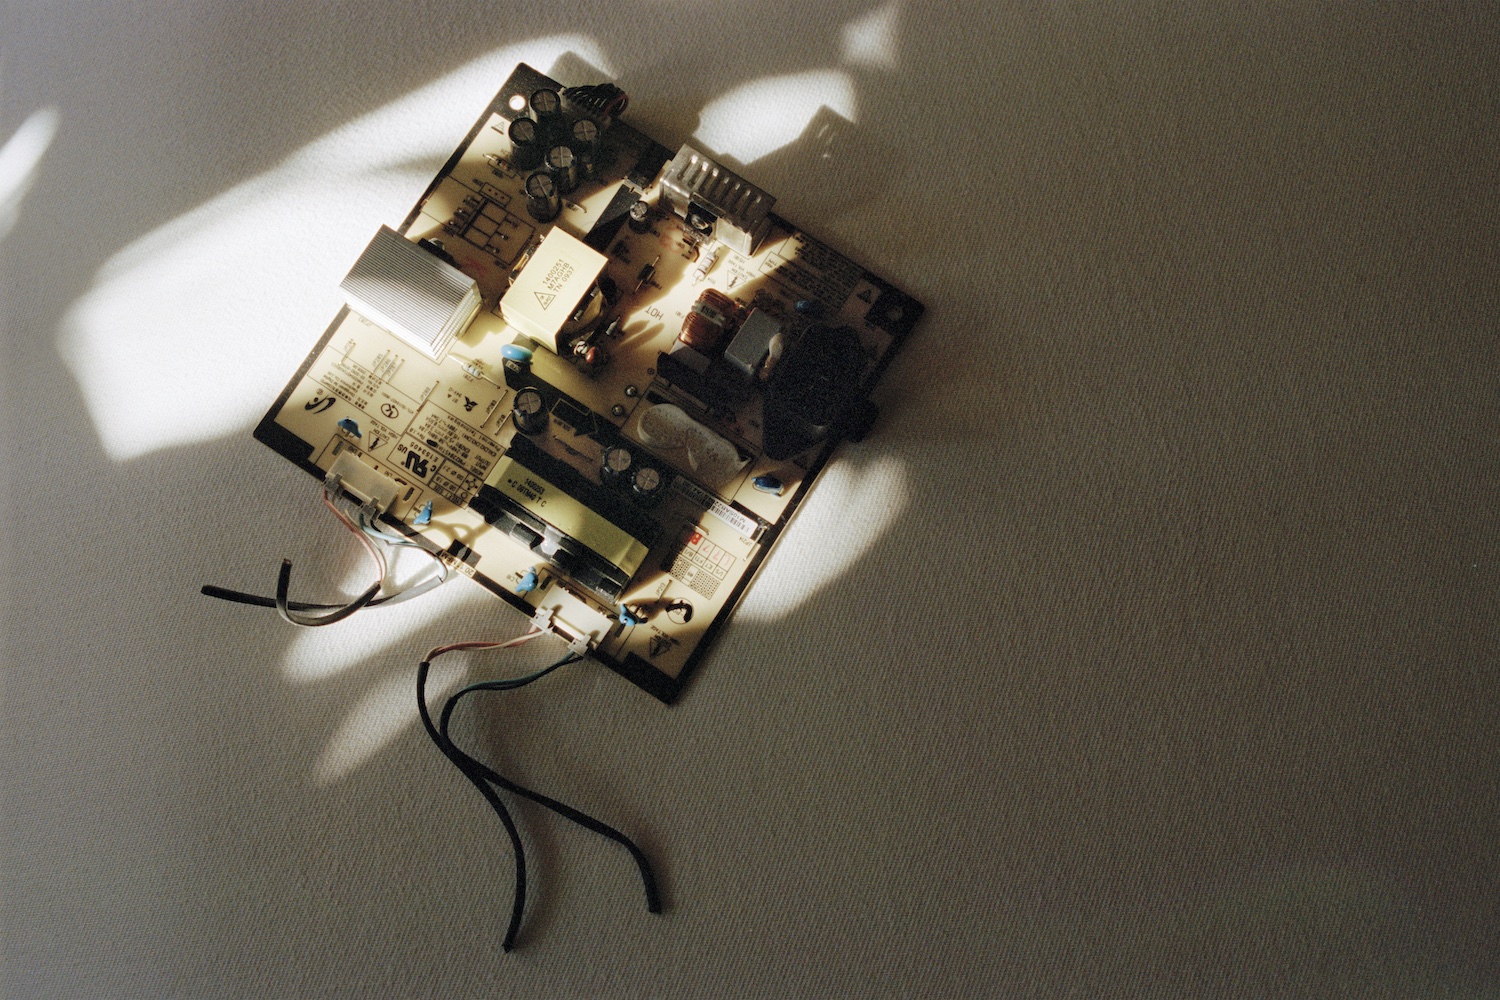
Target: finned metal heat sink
{"points": [[401, 287]]}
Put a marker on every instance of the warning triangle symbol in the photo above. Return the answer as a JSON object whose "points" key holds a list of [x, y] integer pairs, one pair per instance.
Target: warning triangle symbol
{"points": [[865, 296], [544, 298]]}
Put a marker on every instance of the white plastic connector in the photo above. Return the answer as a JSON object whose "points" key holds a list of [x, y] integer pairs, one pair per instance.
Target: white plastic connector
{"points": [[369, 485], [569, 618]]}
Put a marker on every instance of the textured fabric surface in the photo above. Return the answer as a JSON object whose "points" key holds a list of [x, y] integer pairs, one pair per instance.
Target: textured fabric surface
{"points": [[1146, 648]]}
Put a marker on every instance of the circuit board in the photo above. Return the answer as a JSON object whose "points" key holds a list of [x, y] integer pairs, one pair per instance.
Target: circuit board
{"points": [[638, 375]]}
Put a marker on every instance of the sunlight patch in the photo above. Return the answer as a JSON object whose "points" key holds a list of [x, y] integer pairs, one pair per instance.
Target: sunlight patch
{"points": [[316, 654], [762, 116], [188, 333], [19, 158], [382, 715], [848, 511], [871, 40]]}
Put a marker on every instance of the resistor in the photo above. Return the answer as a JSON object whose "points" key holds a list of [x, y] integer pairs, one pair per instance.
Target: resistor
{"points": [[706, 261]]}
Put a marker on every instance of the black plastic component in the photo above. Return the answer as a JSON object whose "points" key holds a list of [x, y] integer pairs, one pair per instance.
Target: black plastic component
{"points": [[436, 248], [567, 554], [602, 235], [648, 163], [858, 420], [893, 311], [811, 388]]}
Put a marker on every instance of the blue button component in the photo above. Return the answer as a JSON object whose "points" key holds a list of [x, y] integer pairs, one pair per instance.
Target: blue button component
{"points": [[348, 424], [768, 484]]}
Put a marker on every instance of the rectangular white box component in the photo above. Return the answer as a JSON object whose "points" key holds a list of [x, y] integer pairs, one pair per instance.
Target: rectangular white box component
{"points": [[549, 289], [416, 296]]}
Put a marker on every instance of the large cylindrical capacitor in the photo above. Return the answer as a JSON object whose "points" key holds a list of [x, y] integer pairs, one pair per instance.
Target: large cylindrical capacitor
{"points": [[615, 466], [546, 104], [647, 484], [562, 163], [529, 411], [543, 201], [585, 144], [526, 149]]}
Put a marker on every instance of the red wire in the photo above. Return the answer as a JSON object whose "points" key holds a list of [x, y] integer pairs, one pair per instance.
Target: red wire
{"points": [[481, 644]]}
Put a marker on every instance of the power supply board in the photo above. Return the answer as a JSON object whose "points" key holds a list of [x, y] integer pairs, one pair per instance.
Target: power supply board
{"points": [[592, 374]]}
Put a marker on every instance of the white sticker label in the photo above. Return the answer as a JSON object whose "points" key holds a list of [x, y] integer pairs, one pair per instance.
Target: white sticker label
{"points": [[748, 527]]}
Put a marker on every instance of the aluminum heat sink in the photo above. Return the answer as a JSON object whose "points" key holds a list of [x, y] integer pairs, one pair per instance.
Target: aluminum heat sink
{"points": [[401, 287]]}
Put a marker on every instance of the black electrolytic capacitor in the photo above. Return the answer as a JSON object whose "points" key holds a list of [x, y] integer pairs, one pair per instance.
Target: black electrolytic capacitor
{"points": [[639, 217], [586, 144], [529, 411], [545, 104], [526, 148], [543, 201], [562, 163], [615, 466], [647, 484]]}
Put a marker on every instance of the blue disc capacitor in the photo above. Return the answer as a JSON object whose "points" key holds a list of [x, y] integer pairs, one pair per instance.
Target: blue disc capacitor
{"points": [[768, 484]]}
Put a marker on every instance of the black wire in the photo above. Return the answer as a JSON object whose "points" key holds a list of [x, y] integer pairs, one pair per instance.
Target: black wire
{"points": [[648, 877], [483, 777], [240, 597], [256, 600], [468, 766], [284, 607], [603, 98], [259, 601]]}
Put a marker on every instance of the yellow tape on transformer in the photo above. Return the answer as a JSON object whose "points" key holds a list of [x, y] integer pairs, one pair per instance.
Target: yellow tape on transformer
{"points": [[551, 504]]}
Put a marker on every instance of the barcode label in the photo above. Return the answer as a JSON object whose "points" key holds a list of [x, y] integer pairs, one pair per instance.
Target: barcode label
{"points": [[746, 526]]}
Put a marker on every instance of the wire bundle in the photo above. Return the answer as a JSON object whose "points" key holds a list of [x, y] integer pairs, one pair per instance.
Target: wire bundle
{"points": [[600, 98], [376, 541], [367, 530], [487, 780]]}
